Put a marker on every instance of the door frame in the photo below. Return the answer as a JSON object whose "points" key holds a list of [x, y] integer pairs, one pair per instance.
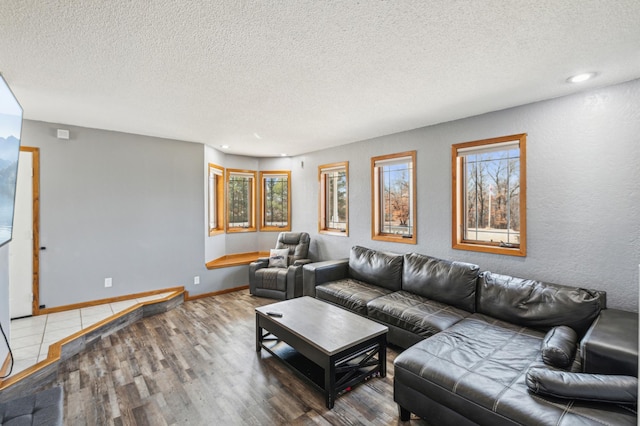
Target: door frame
{"points": [[35, 190]]}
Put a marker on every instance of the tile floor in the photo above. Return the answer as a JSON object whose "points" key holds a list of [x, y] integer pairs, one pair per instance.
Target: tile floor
{"points": [[31, 337]]}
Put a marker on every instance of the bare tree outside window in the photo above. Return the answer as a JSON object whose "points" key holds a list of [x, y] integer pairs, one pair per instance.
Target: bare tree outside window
{"points": [[489, 202], [492, 203], [394, 205], [334, 199], [240, 201], [275, 200]]}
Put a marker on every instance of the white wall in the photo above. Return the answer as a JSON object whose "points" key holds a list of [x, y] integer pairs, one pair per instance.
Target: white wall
{"points": [[583, 197]]}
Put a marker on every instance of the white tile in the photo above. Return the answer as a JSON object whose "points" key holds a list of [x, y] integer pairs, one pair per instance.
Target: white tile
{"points": [[63, 316], [28, 322], [54, 336], [27, 352], [29, 330], [63, 324], [43, 355], [121, 306], [23, 365], [26, 341], [152, 297], [94, 310], [88, 321]]}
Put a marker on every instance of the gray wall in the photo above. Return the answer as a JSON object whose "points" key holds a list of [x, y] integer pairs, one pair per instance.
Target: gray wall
{"points": [[583, 215], [134, 208], [123, 206]]}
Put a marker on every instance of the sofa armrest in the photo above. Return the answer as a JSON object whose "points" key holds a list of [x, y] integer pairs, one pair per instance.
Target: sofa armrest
{"points": [[583, 386], [301, 262], [322, 272], [610, 346]]}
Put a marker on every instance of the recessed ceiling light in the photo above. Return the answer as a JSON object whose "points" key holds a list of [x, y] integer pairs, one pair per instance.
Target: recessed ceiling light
{"points": [[257, 136], [579, 78], [283, 155], [224, 146]]}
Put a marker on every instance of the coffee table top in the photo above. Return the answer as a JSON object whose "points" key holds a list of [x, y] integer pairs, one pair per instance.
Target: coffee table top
{"points": [[327, 327]]}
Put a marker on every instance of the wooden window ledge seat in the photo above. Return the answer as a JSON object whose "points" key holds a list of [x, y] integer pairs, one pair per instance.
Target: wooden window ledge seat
{"points": [[236, 259]]}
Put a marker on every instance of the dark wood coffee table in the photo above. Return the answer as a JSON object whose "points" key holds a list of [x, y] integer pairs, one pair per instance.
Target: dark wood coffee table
{"points": [[331, 347]]}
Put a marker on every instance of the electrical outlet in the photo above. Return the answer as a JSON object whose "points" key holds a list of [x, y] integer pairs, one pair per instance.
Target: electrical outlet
{"points": [[196, 280], [108, 282]]}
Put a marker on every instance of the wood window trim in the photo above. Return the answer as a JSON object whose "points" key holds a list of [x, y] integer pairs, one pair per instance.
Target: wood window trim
{"points": [[220, 199], [322, 228], [263, 226], [457, 227], [375, 201], [252, 215]]}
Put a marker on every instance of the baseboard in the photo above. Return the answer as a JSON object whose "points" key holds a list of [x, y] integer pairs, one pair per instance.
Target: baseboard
{"points": [[109, 300], [188, 297]]}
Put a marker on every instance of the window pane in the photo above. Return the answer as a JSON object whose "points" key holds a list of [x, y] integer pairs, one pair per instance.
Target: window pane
{"points": [[396, 204], [216, 199], [492, 209], [213, 208], [276, 201], [336, 200], [239, 200]]}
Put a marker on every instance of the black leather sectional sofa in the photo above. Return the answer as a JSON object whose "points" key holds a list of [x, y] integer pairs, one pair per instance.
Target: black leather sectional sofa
{"points": [[487, 348]]}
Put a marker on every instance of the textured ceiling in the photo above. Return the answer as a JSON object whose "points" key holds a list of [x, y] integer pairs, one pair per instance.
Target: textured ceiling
{"points": [[271, 77]]}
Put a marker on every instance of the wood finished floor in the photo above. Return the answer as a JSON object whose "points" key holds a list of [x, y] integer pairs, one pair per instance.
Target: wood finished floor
{"points": [[197, 365]]}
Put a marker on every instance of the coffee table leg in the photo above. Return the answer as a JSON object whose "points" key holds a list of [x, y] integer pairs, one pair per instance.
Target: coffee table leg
{"points": [[258, 334], [330, 383], [382, 355]]}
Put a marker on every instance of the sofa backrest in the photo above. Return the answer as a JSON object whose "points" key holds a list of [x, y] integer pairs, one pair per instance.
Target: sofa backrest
{"points": [[453, 283], [537, 304], [376, 267]]}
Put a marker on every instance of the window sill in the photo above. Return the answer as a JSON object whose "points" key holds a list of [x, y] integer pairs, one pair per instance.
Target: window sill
{"points": [[508, 251], [275, 228], [335, 233], [236, 259], [235, 230], [395, 239]]}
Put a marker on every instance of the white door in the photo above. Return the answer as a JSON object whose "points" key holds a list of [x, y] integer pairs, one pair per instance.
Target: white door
{"points": [[21, 245]]}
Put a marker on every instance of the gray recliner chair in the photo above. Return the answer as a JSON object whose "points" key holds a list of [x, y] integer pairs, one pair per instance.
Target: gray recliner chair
{"points": [[281, 282]]}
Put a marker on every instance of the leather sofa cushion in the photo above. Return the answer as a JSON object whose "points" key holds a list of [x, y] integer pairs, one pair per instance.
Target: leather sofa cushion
{"points": [[376, 267], [589, 387], [414, 313], [351, 294], [559, 346], [537, 304], [479, 365], [453, 283]]}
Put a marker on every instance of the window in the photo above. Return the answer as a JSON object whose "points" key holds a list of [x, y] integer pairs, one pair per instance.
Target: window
{"points": [[334, 198], [489, 202], [241, 200], [216, 199], [394, 197], [275, 201]]}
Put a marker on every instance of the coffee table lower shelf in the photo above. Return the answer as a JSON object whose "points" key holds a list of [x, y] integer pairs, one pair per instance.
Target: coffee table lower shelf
{"points": [[331, 375]]}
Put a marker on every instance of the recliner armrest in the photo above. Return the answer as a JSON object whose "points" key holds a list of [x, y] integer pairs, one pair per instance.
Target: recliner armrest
{"points": [[322, 272], [301, 262], [262, 262]]}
